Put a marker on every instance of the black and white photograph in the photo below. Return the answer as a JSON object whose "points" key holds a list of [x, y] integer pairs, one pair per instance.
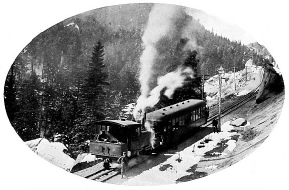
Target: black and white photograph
{"points": [[144, 94]]}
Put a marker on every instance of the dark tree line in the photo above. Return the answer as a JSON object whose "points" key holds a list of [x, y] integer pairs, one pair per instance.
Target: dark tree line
{"points": [[41, 105], [62, 82]]}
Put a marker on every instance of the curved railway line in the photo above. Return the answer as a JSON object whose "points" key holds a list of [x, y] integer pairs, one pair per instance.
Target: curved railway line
{"points": [[240, 101], [236, 104], [98, 173]]}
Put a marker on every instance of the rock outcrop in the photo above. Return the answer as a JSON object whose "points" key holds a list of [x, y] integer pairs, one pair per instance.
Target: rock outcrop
{"points": [[272, 83]]}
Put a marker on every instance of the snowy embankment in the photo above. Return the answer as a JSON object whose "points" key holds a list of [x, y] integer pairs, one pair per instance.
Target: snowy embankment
{"points": [[53, 152], [178, 165], [239, 83]]}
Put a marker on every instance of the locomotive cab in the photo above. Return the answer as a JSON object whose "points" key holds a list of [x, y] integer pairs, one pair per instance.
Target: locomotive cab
{"points": [[113, 137]]}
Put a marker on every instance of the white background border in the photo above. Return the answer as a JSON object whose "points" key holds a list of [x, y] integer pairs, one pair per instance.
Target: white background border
{"points": [[265, 168]]}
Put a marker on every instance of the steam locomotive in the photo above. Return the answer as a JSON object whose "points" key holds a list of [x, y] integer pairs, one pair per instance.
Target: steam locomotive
{"points": [[159, 128]]}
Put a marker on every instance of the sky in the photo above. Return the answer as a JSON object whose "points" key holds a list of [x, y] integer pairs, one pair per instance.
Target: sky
{"points": [[223, 27], [266, 20]]}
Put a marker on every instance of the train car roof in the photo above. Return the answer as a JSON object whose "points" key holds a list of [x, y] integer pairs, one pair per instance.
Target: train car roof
{"points": [[174, 110], [123, 123]]}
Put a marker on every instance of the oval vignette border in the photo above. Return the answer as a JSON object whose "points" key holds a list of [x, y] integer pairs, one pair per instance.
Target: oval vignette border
{"points": [[188, 5]]}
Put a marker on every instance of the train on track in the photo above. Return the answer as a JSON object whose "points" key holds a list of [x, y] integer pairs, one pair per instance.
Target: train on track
{"points": [[159, 128]]}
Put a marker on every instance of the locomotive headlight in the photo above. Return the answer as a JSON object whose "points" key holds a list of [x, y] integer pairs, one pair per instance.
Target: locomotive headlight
{"points": [[128, 153]]}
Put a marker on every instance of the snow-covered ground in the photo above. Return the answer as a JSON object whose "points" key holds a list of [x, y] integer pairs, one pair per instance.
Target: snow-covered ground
{"points": [[53, 152], [179, 164], [238, 83]]}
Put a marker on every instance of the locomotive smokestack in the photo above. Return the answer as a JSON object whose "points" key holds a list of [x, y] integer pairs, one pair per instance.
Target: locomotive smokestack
{"points": [[143, 119]]}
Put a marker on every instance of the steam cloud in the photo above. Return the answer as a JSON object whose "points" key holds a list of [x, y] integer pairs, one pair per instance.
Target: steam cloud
{"points": [[167, 36]]}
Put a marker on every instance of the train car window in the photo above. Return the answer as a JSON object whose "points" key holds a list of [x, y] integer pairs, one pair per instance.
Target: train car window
{"points": [[197, 113], [108, 128], [136, 132], [118, 132], [177, 123], [193, 115], [173, 122], [102, 128], [169, 125], [187, 119], [182, 121], [202, 111]]}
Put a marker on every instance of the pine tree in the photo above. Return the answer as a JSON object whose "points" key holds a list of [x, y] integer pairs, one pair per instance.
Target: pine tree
{"points": [[10, 94], [94, 87], [26, 122], [12, 86]]}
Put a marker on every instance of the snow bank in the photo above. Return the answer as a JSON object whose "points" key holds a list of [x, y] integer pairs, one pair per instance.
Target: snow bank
{"points": [[239, 83], [231, 145], [243, 92], [238, 122], [52, 152], [86, 157]]}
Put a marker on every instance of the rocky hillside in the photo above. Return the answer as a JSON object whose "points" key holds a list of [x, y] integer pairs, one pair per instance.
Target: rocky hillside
{"points": [[258, 48], [272, 83]]}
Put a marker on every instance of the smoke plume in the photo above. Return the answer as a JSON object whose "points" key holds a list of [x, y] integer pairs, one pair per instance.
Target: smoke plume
{"points": [[148, 127], [166, 38]]}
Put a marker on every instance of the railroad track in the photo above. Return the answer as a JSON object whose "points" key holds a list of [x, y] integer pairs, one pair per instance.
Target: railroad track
{"points": [[98, 173], [233, 106]]}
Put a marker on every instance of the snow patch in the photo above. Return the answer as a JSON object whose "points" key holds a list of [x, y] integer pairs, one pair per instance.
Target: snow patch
{"points": [[73, 24], [52, 152], [243, 92], [88, 158], [231, 145]]}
